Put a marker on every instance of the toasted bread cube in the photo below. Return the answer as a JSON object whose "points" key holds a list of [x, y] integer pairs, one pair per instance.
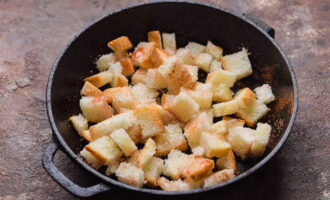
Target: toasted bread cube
{"points": [[171, 139], [104, 62], [184, 107], [125, 143], [232, 122], [90, 90], [169, 42], [175, 161], [195, 48], [185, 56], [219, 177], [181, 76], [221, 77], [146, 153], [115, 68], [109, 93], [134, 133], [100, 79], [124, 98], [214, 50], [159, 57], [222, 93], [197, 167], [168, 65], [95, 109], [262, 135], [253, 113], [104, 149], [167, 101], [143, 53], [139, 76], [113, 166], [166, 116], [141, 91], [154, 36], [86, 135], [154, 79], [127, 66], [264, 94], [240, 139], [149, 120], [238, 63], [215, 65], [213, 144], [152, 171], [198, 150], [177, 185], [225, 108], [79, 123], [130, 174], [202, 94], [227, 161], [90, 159], [203, 61], [123, 120], [245, 97], [195, 127], [120, 44], [119, 81], [219, 128]]}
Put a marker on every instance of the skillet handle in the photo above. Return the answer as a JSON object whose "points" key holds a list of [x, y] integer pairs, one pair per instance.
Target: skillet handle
{"points": [[55, 173], [268, 29]]}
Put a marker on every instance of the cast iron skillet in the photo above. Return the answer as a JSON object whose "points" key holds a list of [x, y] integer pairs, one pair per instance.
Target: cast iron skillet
{"points": [[191, 22]]}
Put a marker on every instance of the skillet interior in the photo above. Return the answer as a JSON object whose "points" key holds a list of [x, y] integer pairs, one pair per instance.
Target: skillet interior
{"points": [[190, 22]]}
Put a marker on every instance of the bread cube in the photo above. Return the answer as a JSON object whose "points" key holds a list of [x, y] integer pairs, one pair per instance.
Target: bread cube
{"points": [[227, 161], [225, 108], [119, 80], [90, 159], [123, 120], [222, 93], [219, 128], [262, 135], [104, 149], [184, 107], [146, 153], [253, 113], [141, 91], [159, 57], [90, 90], [115, 68], [139, 76], [95, 109], [214, 145], [79, 123], [100, 79], [143, 53], [127, 66], [104, 62], [203, 61], [166, 116], [130, 174], [154, 79], [214, 50], [221, 77], [185, 56], [197, 167], [86, 135], [169, 42], [171, 139], [238, 63], [120, 44], [219, 177], [202, 94], [124, 142], [152, 171], [215, 65], [149, 120], [245, 97], [241, 139], [176, 185], [198, 150], [124, 98], [154, 36], [167, 101], [195, 127], [174, 163], [264, 94], [134, 133], [232, 122], [195, 48], [113, 166], [181, 76]]}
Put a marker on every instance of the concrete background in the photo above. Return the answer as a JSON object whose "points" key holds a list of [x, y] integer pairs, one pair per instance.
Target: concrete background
{"points": [[33, 32]]}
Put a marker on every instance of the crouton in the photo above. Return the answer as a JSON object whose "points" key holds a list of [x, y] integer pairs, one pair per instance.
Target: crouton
{"points": [[219, 177], [159, 57], [215, 65], [222, 93], [124, 98], [113, 166], [264, 94], [141, 91], [95, 109], [90, 90], [127, 66], [203, 61], [238, 63], [119, 80], [79, 123], [105, 127], [104, 62], [86, 135], [104, 149], [121, 55], [171, 139], [214, 50], [245, 97], [195, 127], [174, 163], [202, 94], [232, 122], [184, 107], [169, 42], [109, 93], [139, 76], [154, 79], [219, 128], [195, 48], [120, 44], [90, 159], [225, 108], [134, 133], [166, 116], [130, 174], [154, 36], [197, 167], [185, 56], [253, 113], [181, 76], [198, 150], [213, 145], [149, 120], [152, 171], [177, 185], [221, 77], [124, 142], [227, 161], [142, 55], [262, 135], [167, 101], [115, 68], [240, 139], [146, 153], [100, 79]]}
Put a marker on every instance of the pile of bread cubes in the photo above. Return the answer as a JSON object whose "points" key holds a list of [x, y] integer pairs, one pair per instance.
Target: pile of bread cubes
{"points": [[155, 125]]}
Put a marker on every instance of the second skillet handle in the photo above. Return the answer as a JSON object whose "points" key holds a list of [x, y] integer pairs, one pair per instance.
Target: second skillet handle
{"points": [[54, 172], [268, 29]]}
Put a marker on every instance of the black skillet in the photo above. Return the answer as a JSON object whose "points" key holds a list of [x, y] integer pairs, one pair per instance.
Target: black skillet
{"points": [[191, 22]]}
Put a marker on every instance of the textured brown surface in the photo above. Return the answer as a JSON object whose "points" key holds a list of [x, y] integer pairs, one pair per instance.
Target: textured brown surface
{"points": [[33, 32]]}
